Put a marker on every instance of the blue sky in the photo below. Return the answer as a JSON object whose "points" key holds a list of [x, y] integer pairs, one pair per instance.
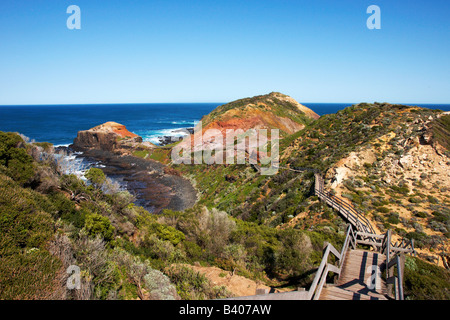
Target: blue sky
{"points": [[218, 51]]}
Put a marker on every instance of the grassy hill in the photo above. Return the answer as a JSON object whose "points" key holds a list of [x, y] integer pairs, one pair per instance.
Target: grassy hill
{"points": [[50, 221], [395, 171], [270, 111], [390, 161]]}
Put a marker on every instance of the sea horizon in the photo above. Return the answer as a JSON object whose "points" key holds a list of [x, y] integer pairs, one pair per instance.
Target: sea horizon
{"points": [[60, 123]]}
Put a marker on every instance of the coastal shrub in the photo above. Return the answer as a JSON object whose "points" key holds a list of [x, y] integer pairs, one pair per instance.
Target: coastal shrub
{"points": [[28, 275], [137, 275], [65, 209], [235, 253], [46, 146], [97, 272], [192, 285], [404, 189], [193, 251], [425, 281], [420, 214], [19, 164], [96, 224], [169, 233], [161, 250], [219, 226], [414, 200], [418, 237], [382, 209], [441, 131], [293, 255], [159, 286], [432, 199], [111, 187], [440, 216], [96, 177], [393, 218], [122, 199], [23, 222]]}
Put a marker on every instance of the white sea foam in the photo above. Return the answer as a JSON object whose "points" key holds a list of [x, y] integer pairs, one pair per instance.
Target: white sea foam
{"points": [[61, 145], [154, 136], [186, 122]]}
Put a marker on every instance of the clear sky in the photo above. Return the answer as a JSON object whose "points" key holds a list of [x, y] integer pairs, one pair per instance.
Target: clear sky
{"points": [[222, 50]]}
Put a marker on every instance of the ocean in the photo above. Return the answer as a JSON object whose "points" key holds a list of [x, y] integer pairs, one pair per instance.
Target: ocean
{"points": [[59, 124]]}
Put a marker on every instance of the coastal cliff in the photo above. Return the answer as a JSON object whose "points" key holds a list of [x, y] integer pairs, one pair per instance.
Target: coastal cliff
{"points": [[271, 111], [396, 161], [118, 150], [391, 162], [108, 136]]}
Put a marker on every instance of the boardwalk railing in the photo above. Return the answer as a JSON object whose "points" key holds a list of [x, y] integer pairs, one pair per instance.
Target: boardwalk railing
{"points": [[325, 267], [321, 274], [360, 231], [352, 215], [391, 279], [398, 260]]}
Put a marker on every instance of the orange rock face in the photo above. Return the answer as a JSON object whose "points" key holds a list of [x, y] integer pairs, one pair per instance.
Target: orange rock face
{"points": [[108, 136], [118, 128], [272, 111]]}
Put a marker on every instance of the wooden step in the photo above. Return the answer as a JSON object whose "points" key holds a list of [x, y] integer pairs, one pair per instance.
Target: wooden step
{"points": [[356, 276], [336, 293]]}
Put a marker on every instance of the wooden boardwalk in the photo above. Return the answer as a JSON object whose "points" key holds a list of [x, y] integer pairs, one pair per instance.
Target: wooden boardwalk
{"points": [[359, 273], [360, 278]]}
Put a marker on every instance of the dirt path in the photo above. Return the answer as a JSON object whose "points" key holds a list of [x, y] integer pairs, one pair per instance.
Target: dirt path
{"points": [[239, 286]]}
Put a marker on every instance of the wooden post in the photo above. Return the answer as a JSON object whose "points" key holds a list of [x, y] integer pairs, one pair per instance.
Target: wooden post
{"points": [[261, 291], [389, 271], [402, 264], [400, 271]]}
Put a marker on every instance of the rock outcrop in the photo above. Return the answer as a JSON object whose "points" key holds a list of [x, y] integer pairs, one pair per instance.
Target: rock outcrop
{"points": [[271, 111], [109, 136], [155, 186]]}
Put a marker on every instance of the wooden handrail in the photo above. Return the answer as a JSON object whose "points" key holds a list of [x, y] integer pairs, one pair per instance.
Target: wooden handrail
{"points": [[365, 234], [350, 213], [398, 260], [325, 267], [364, 229], [397, 281]]}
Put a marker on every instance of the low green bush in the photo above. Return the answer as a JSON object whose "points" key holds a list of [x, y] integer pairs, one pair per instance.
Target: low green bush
{"points": [[425, 281], [96, 224]]}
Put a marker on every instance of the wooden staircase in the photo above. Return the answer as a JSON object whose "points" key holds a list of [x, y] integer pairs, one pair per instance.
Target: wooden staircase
{"points": [[360, 278], [347, 211], [336, 293], [359, 274]]}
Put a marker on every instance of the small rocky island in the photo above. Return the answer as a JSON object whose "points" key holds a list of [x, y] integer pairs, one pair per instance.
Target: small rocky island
{"points": [[155, 186]]}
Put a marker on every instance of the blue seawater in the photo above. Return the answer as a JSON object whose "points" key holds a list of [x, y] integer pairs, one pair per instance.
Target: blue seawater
{"points": [[59, 124]]}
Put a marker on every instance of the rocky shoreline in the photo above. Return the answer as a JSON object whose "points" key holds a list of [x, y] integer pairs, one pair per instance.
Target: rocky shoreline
{"points": [[165, 140], [154, 186], [147, 180]]}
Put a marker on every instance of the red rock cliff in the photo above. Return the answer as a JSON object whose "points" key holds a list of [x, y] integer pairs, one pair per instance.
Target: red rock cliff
{"points": [[108, 136]]}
